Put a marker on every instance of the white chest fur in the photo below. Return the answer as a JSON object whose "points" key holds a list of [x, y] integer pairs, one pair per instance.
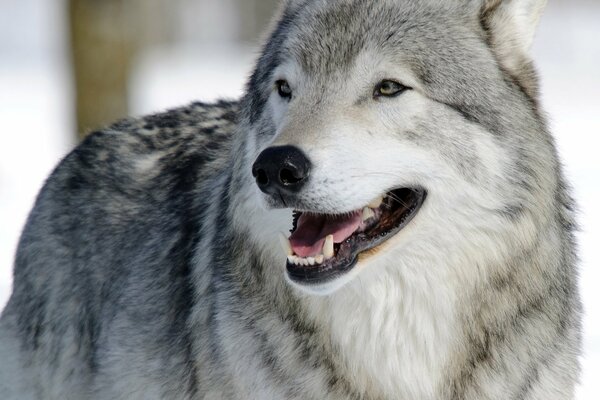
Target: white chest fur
{"points": [[393, 329]]}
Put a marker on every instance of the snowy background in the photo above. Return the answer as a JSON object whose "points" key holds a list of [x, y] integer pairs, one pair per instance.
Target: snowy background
{"points": [[37, 124]]}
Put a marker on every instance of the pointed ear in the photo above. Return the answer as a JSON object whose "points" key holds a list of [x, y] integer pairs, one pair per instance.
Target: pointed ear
{"points": [[510, 26]]}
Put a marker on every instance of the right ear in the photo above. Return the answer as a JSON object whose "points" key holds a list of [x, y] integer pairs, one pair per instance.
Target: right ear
{"points": [[510, 27]]}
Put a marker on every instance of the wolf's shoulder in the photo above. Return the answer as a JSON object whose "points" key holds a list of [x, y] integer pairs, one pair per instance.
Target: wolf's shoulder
{"points": [[136, 163], [127, 188], [137, 167]]}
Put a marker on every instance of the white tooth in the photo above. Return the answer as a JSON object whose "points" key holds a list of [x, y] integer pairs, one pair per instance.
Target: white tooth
{"points": [[285, 245], [311, 260], [305, 262], [328, 247], [376, 203], [290, 259], [319, 259], [367, 213]]}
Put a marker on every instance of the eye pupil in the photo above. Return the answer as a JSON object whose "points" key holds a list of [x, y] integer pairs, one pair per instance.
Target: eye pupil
{"points": [[389, 88], [283, 89]]}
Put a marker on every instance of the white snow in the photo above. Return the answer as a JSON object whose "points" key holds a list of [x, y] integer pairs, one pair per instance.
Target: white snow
{"points": [[37, 121], [169, 77], [35, 114]]}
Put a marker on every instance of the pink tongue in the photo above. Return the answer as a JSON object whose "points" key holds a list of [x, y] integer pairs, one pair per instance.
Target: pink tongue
{"points": [[309, 236]]}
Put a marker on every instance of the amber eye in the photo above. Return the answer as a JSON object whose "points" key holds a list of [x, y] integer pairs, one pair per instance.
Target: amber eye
{"points": [[283, 88], [387, 88]]}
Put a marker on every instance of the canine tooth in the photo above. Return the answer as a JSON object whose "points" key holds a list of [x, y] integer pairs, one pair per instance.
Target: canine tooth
{"points": [[376, 203], [285, 245], [328, 247], [311, 260], [367, 213], [319, 259]]}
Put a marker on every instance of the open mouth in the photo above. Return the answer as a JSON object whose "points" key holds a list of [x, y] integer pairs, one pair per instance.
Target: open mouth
{"points": [[324, 246]]}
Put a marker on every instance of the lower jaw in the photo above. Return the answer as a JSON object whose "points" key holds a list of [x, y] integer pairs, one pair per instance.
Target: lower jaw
{"points": [[318, 275], [348, 253]]}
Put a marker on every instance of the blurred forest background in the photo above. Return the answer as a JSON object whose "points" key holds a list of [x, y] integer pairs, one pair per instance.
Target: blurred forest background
{"points": [[70, 66], [107, 36]]}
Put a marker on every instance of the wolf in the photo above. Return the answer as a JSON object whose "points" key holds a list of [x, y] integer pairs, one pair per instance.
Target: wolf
{"points": [[382, 215]]}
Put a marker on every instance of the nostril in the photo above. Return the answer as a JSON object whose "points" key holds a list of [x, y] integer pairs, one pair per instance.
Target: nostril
{"points": [[261, 177], [288, 177]]}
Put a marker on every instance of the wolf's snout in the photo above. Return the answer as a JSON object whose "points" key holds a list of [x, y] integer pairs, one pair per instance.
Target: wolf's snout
{"points": [[281, 169]]}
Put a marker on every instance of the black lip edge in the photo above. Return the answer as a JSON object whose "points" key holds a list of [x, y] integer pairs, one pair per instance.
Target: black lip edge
{"points": [[318, 275]]}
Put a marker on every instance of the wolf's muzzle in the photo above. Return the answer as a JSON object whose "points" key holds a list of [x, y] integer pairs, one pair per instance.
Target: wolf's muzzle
{"points": [[281, 169]]}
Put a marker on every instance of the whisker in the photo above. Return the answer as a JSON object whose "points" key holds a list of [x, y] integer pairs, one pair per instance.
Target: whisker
{"points": [[397, 199]]}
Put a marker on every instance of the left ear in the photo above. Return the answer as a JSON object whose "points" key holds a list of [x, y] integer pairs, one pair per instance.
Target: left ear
{"points": [[510, 26]]}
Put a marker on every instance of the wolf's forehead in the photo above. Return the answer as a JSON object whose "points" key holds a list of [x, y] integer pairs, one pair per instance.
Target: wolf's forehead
{"points": [[329, 37]]}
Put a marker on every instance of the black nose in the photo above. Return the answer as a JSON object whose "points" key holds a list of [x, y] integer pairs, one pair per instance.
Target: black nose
{"points": [[281, 169]]}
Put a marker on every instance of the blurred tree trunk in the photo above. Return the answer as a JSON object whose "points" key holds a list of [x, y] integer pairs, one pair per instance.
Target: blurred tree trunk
{"points": [[102, 47], [255, 16]]}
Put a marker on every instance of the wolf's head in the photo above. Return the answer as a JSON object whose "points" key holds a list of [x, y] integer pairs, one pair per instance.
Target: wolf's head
{"points": [[403, 134]]}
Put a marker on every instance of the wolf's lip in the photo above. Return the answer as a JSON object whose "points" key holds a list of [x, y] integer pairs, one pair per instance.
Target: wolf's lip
{"points": [[378, 224]]}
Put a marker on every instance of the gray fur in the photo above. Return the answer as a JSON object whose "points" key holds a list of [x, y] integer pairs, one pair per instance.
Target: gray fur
{"points": [[142, 273]]}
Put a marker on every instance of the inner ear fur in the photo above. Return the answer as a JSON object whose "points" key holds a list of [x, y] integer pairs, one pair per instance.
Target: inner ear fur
{"points": [[510, 27]]}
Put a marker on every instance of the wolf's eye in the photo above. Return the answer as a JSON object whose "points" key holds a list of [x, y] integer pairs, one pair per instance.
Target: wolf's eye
{"points": [[387, 88], [283, 88]]}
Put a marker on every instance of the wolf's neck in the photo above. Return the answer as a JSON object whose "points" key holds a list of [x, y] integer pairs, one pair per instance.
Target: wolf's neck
{"points": [[393, 333]]}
